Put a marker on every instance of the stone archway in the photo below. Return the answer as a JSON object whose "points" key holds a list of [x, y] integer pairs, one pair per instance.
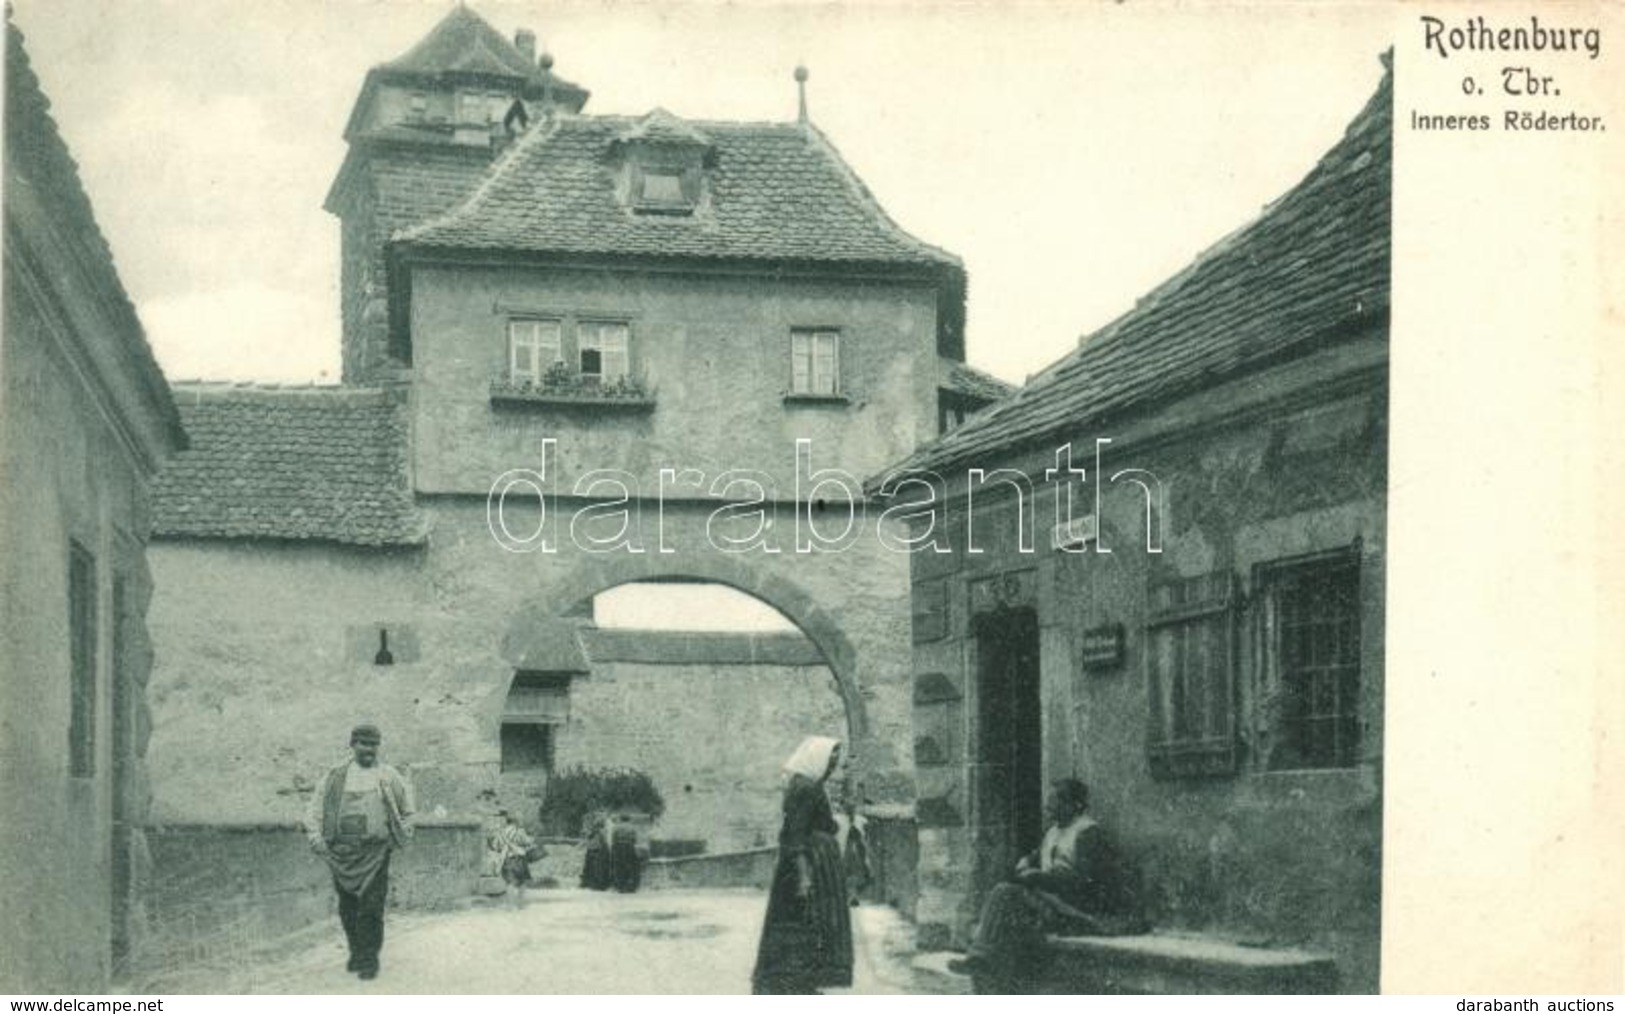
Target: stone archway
{"points": [[593, 575], [726, 793]]}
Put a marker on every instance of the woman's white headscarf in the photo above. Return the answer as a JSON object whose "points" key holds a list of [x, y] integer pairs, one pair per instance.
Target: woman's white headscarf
{"points": [[811, 758]]}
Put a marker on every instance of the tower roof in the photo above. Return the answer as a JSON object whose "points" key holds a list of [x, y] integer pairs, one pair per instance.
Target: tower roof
{"points": [[464, 46], [464, 41]]}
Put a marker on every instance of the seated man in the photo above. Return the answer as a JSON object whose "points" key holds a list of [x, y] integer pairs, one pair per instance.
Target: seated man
{"points": [[1077, 882]]}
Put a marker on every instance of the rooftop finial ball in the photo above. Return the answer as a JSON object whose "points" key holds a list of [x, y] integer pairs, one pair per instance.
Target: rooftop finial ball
{"points": [[546, 61], [801, 73]]}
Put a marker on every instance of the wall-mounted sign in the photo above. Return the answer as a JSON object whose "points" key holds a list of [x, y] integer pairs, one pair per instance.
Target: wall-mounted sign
{"points": [[1103, 647]]}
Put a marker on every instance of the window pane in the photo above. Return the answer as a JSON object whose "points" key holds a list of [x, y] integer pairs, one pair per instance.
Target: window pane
{"points": [[814, 362], [1316, 658], [614, 342], [604, 349], [663, 188], [533, 346], [824, 364], [800, 363]]}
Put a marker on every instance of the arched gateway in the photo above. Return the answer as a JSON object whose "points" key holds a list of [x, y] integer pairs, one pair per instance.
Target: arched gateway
{"points": [[688, 678], [593, 575]]}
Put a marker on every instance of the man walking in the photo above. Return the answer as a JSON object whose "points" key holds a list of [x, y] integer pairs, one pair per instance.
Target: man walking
{"points": [[360, 812]]}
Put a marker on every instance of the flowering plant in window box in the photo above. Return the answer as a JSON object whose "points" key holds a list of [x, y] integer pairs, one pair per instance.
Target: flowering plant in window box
{"points": [[561, 385]]}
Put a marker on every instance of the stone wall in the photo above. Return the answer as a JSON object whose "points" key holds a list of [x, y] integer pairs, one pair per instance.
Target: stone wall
{"points": [[224, 893], [1291, 466]]}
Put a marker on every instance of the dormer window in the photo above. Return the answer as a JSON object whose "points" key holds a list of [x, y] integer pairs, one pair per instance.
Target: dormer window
{"points": [[665, 190], [418, 104], [664, 161]]}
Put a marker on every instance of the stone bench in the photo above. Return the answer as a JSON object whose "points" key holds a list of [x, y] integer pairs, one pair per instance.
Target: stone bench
{"points": [[1163, 963]]}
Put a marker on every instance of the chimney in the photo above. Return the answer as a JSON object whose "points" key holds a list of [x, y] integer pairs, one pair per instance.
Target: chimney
{"points": [[546, 63], [524, 40]]}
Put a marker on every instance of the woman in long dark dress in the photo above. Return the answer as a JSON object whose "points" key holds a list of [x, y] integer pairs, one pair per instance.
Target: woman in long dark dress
{"points": [[595, 874], [807, 936], [625, 865]]}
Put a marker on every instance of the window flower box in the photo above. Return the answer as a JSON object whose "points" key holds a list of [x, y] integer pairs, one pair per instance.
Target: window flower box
{"points": [[558, 388]]}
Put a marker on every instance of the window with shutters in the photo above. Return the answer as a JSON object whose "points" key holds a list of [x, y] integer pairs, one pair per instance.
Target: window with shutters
{"points": [[815, 363], [1191, 660]]}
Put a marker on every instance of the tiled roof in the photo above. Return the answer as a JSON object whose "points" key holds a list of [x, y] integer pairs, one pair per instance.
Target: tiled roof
{"points": [[464, 42], [774, 191], [37, 159], [318, 464], [971, 382], [1312, 269]]}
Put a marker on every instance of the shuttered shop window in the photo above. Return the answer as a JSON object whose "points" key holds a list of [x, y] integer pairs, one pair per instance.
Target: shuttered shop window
{"points": [[1191, 662]]}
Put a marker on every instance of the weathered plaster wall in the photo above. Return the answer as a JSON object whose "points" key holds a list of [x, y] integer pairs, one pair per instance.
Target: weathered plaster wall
{"points": [[715, 351], [1292, 857], [265, 660], [67, 477]]}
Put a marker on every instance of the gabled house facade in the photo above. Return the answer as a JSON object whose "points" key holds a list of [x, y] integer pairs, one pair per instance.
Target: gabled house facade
{"points": [[1160, 567], [86, 420]]}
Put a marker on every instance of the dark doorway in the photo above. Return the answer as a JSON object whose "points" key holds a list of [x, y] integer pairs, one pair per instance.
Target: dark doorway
{"points": [[1009, 818]]}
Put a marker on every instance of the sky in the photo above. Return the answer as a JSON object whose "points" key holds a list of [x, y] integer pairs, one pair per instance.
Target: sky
{"points": [[1073, 155]]}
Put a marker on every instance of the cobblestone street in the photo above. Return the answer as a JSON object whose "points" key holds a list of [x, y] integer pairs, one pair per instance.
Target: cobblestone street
{"points": [[563, 941]]}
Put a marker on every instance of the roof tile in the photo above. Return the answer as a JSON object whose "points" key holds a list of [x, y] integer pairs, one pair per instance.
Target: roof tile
{"points": [[312, 464]]}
